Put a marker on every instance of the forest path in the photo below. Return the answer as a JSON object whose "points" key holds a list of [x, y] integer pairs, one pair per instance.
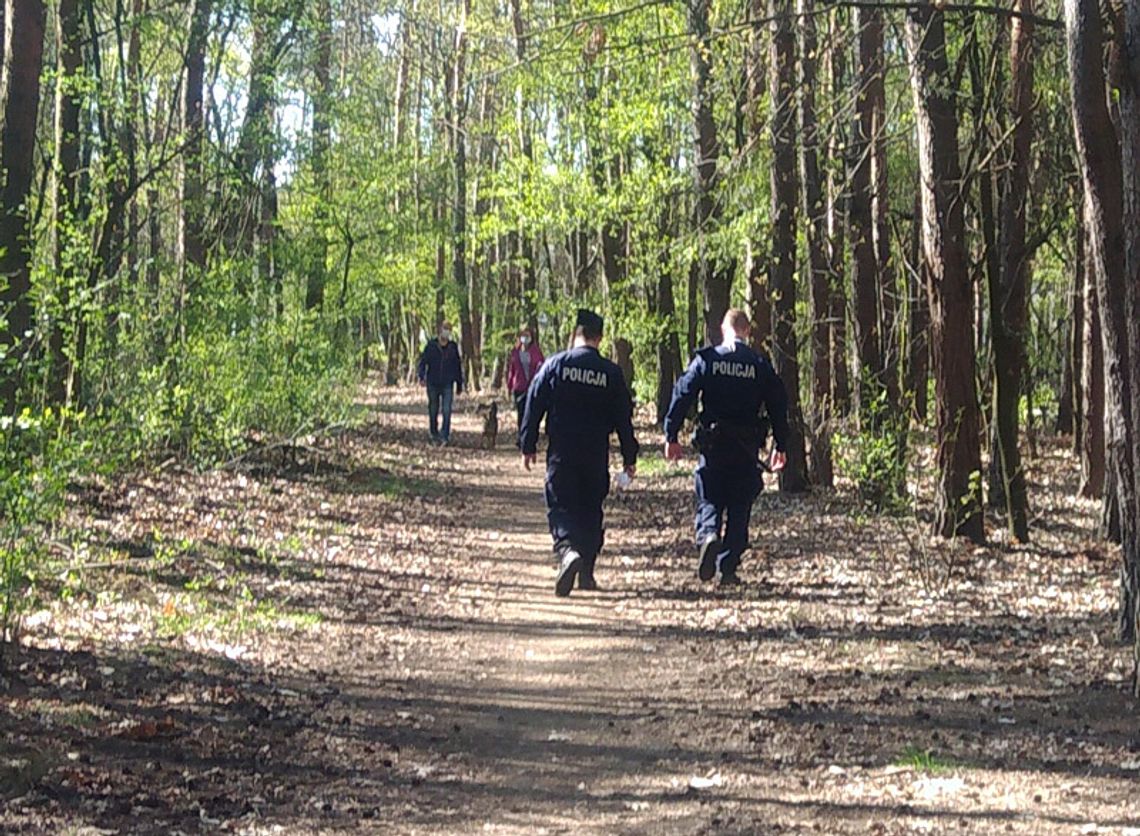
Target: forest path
{"points": [[665, 706], [361, 635], [535, 711]]}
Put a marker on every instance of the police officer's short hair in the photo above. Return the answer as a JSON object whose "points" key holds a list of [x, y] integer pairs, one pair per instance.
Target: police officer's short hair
{"points": [[588, 325], [737, 319]]}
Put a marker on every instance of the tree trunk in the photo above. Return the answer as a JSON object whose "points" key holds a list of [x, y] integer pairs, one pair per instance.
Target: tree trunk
{"points": [[459, 271], [918, 361], [402, 72], [135, 127], [991, 251], [958, 509], [757, 262], [65, 184], [1099, 160], [19, 110], [191, 245], [869, 110], [156, 243], [669, 364], [837, 214], [1069, 409], [759, 299], [257, 156], [317, 276], [1009, 294], [1092, 402], [815, 218], [522, 115], [692, 290], [1130, 156], [782, 95], [714, 279], [886, 290]]}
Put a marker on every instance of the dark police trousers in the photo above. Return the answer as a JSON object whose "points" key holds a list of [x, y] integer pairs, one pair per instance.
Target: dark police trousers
{"points": [[575, 489], [727, 485]]}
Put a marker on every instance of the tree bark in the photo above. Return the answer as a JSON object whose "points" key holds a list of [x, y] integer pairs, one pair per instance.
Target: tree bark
{"points": [[1069, 409], [714, 279], [815, 218], [1009, 294], [784, 192], [1092, 387], [191, 244], [23, 39], [958, 507], [65, 185], [526, 143], [317, 277], [1099, 160], [459, 266], [1130, 157], [156, 243], [865, 209], [837, 214], [918, 345]]}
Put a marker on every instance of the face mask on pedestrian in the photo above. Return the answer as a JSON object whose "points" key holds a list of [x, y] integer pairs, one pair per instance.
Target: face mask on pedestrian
{"points": [[445, 334], [525, 340]]}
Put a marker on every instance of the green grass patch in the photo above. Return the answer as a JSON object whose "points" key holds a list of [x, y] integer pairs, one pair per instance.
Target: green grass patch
{"points": [[656, 466], [208, 607], [924, 760], [378, 481], [75, 716]]}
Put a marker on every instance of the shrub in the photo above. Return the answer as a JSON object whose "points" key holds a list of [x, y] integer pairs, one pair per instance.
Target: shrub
{"points": [[36, 455], [874, 458]]}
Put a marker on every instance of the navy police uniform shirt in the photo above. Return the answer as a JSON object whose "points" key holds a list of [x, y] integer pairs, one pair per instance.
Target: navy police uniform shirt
{"points": [[584, 398], [733, 382]]}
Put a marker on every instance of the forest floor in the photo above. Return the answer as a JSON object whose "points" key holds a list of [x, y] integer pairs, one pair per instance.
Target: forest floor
{"points": [[360, 635]]}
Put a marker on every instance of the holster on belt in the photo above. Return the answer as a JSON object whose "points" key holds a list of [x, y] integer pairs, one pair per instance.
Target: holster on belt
{"points": [[722, 440]]}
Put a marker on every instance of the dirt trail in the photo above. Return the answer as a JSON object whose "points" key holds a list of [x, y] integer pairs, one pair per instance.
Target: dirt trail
{"points": [[445, 689], [665, 706], [541, 712]]}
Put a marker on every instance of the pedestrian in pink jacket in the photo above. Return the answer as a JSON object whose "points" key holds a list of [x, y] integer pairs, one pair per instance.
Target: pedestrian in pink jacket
{"points": [[522, 366]]}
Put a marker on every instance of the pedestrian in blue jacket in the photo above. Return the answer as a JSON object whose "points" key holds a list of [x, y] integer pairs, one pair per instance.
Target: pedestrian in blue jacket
{"points": [[440, 370], [733, 383], [584, 398]]}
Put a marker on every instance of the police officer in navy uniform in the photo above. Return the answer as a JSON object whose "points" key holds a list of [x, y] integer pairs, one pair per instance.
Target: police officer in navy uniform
{"points": [[584, 398], [733, 383]]}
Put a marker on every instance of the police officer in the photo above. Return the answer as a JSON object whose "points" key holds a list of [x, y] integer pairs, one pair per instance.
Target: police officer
{"points": [[733, 382], [584, 398]]}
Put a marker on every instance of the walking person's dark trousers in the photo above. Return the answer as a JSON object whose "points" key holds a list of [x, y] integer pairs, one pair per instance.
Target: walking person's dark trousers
{"points": [[440, 397], [575, 489], [725, 492]]}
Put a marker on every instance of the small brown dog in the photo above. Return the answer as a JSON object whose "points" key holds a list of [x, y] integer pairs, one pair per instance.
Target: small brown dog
{"points": [[490, 425]]}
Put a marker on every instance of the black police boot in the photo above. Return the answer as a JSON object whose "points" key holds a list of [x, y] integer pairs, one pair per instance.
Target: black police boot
{"points": [[586, 580], [730, 579], [568, 568], [710, 548]]}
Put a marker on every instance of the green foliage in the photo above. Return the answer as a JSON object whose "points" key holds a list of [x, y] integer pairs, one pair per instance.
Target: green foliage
{"points": [[874, 458], [223, 390], [652, 464], [36, 456], [924, 760]]}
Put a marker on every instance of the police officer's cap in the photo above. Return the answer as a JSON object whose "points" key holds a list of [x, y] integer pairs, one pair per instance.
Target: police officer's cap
{"points": [[589, 321]]}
